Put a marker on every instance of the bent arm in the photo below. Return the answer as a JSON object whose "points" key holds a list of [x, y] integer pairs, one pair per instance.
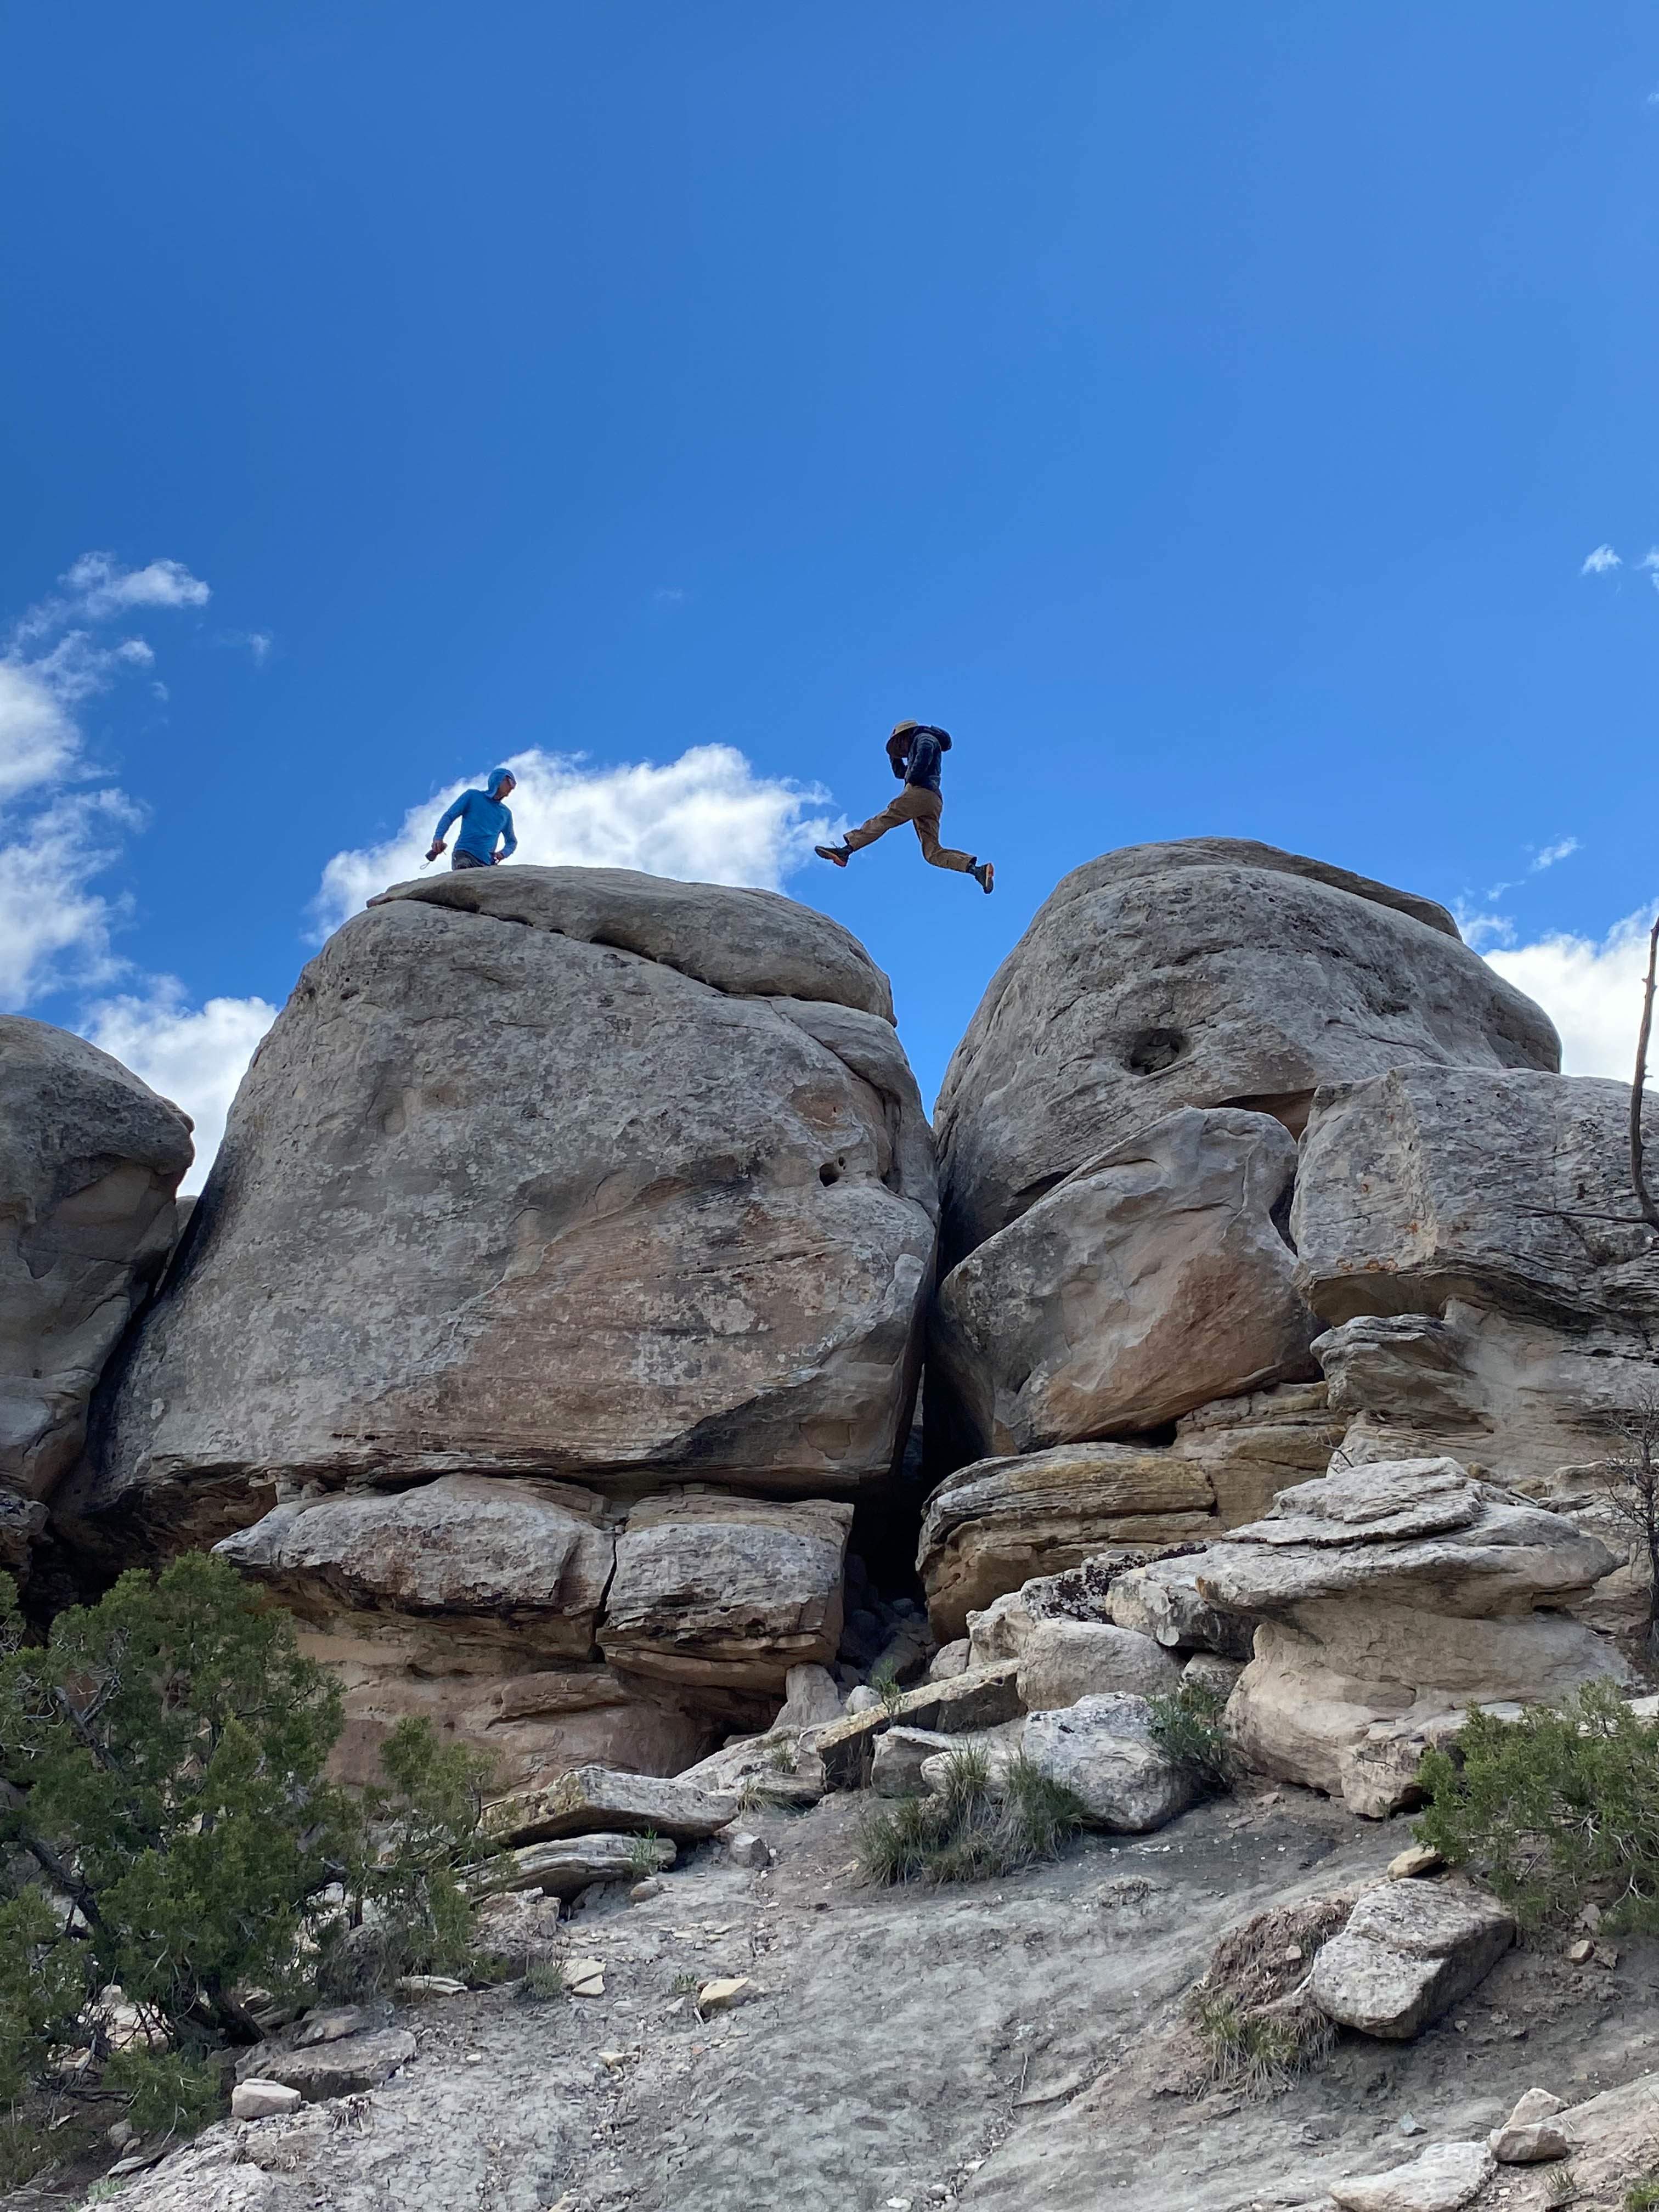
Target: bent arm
{"points": [[509, 842], [453, 815]]}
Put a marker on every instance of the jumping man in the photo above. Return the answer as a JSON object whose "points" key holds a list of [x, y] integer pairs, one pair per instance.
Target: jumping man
{"points": [[917, 751], [483, 818]]}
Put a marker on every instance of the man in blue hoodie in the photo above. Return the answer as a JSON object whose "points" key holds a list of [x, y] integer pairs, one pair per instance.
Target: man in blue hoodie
{"points": [[916, 750], [483, 817]]}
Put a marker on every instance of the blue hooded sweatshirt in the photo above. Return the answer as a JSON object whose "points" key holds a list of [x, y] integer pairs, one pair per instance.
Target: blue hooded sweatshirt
{"points": [[483, 818]]}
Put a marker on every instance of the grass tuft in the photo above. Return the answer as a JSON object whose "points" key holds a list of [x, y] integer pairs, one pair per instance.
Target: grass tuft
{"points": [[966, 1832], [1256, 2024], [544, 1983]]}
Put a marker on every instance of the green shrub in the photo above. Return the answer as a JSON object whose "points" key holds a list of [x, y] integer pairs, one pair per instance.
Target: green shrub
{"points": [[1557, 1809], [885, 1681], [643, 1855], [169, 1830], [1187, 1727], [544, 1982], [1644, 2197], [966, 1833]]}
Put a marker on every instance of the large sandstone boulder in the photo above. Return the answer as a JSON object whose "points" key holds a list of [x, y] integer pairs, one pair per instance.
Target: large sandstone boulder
{"points": [[1207, 972], [1154, 1278], [998, 1523], [726, 1592], [89, 1161], [1104, 1751], [544, 1172], [1393, 1595]]}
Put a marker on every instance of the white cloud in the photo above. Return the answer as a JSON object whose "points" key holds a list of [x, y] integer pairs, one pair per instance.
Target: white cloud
{"points": [[1598, 562], [38, 737], [1560, 850], [102, 588], [705, 817], [195, 1057], [53, 928], [1480, 930], [1591, 991]]}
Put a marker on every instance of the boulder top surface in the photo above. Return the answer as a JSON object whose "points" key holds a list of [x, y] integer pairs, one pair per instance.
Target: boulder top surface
{"points": [[1129, 860], [751, 944]]}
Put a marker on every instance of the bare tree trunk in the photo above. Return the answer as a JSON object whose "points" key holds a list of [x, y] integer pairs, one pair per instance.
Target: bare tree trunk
{"points": [[1643, 1198]]}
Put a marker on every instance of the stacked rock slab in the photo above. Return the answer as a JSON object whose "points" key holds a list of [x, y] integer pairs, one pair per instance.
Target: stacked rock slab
{"points": [[562, 1212], [1117, 1133], [1493, 1292], [89, 1161], [1388, 1598]]}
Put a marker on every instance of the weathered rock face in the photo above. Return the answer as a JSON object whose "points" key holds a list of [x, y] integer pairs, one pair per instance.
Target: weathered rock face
{"points": [[514, 1200], [1065, 1660], [1208, 972], [1391, 1594], [726, 1592], [1000, 1523], [1511, 1190], [1150, 1281], [89, 1160]]}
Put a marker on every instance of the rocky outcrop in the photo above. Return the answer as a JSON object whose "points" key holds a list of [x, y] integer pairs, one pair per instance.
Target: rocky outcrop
{"points": [[1151, 1280], [565, 1172], [89, 1161], [1206, 972], [1386, 1595], [1000, 1522]]}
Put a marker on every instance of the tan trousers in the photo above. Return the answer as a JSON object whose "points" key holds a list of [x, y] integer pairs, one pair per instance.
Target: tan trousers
{"points": [[923, 807]]}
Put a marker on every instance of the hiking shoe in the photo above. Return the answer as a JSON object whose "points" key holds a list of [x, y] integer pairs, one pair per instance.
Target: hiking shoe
{"points": [[985, 876], [841, 854]]}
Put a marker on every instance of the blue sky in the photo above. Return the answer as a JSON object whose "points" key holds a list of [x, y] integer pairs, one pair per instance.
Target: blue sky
{"points": [[1205, 412]]}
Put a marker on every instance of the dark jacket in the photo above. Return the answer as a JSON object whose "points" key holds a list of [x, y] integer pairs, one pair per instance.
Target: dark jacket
{"points": [[918, 755]]}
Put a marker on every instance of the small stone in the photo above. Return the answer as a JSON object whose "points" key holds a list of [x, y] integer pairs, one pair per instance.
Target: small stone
{"points": [[863, 1699], [1293, 1955], [120, 2134], [745, 1848], [332, 2025], [263, 2100], [1528, 2145], [613, 2061], [585, 1977], [1581, 1953], [417, 1987], [1409, 2125], [1537, 2105], [1591, 1918], [1606, 1954], [722, 1994], [1411, 1864], [643, 1892]]}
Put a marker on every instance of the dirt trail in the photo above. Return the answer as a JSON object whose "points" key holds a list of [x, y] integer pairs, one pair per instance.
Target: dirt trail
{"points": [[1014, 2047]]}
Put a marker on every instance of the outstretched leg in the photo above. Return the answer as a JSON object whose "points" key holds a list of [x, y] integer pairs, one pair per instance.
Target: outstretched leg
{"points": [[935, 854]]}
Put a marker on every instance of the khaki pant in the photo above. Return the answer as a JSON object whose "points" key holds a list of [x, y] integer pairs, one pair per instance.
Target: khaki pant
{"points": [[923, 807]]}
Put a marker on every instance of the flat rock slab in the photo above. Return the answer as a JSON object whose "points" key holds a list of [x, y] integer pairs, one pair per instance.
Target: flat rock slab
{"points": [[1445, 2177], [597, 1800], [1410, 1949], [565, 1865], [340, 2069]]}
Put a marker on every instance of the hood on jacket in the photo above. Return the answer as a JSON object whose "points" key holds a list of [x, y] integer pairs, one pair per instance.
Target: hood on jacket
{"points": [[497, 775]]}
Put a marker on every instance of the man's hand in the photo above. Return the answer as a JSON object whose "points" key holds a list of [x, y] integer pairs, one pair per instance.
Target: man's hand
{"points": [[439, 848]]}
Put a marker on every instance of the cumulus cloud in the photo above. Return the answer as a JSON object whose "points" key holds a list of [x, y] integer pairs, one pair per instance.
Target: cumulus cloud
{"points": [[705, 817], [195, 1056], [1598, 562], [1591, 989], [60, 832]]}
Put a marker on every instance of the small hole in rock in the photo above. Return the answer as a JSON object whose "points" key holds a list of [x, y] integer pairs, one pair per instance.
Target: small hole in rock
{"points": [[1152, 1050], [828, 1173]]}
